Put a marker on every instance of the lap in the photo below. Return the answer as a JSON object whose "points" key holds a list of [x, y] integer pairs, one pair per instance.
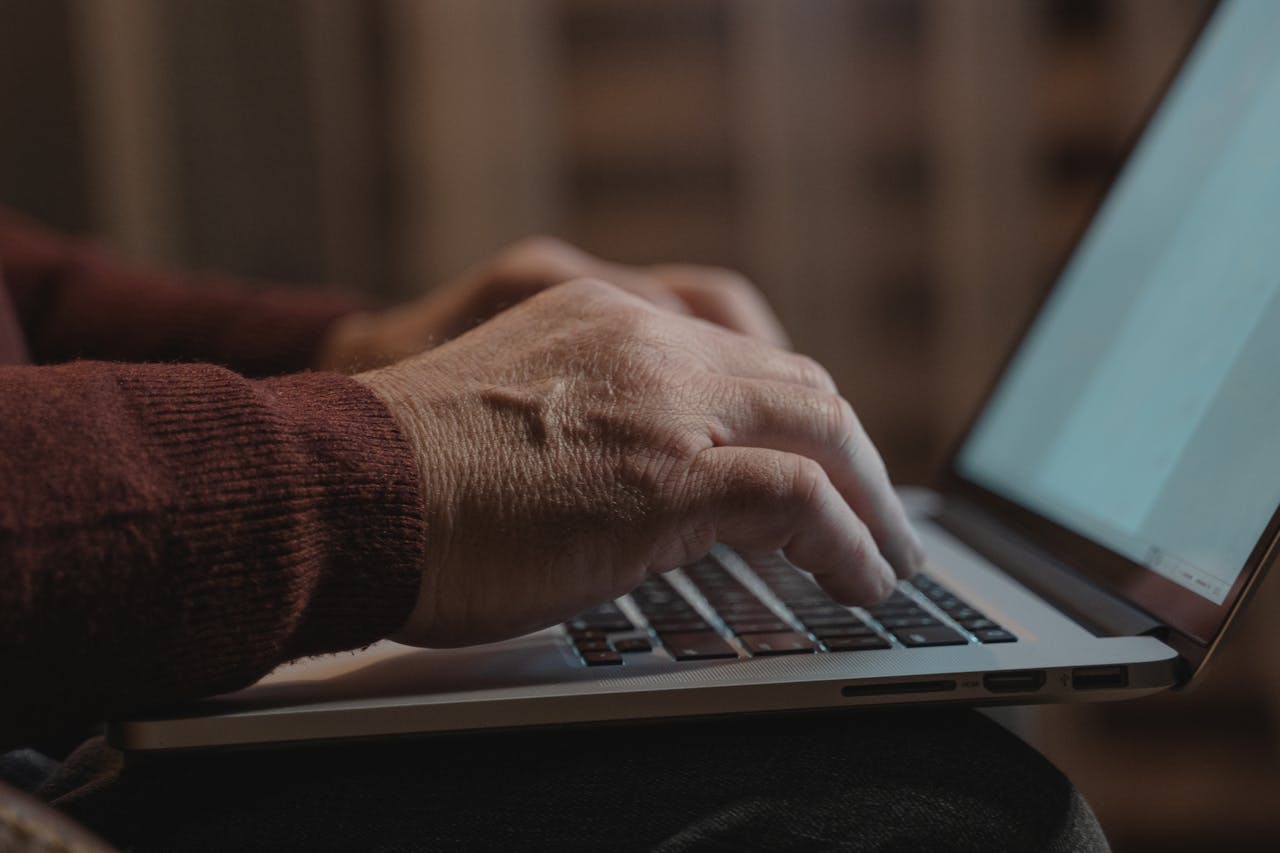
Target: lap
{"points": [[881, 780]]}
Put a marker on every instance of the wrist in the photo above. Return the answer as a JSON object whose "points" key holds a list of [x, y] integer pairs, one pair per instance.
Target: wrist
{"points": [[403, 396]]}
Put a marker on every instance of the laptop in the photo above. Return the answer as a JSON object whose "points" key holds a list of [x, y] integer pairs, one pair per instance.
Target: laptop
{"points": [[1105, 518]]}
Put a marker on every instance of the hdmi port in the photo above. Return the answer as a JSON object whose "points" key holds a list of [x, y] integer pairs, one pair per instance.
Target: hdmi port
{"points": [[1021, 681]]}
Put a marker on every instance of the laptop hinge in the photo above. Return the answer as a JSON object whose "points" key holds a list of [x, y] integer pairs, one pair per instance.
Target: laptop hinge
{"points": [[1095, 609]]}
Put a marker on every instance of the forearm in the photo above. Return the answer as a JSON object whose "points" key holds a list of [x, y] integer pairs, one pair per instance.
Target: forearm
{"points": [[74, 300], [174, 531]]}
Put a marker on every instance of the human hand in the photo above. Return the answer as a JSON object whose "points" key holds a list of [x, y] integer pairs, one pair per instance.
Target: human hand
{"points": [[366, 340], [585, 439]]}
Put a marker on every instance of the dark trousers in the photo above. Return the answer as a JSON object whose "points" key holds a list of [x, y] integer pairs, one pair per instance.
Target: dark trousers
{"points": [[884, 780]]}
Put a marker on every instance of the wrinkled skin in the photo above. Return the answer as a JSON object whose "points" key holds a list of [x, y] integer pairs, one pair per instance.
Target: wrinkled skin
{"points": [[586, 438]]}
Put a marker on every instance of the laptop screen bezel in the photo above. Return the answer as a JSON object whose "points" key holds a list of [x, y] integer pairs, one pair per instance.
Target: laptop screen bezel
{"points": [[1180, 608]]}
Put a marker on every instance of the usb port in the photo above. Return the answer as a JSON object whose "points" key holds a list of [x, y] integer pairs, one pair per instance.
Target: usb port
{"points": [[1099, 677], [1020, 681]]}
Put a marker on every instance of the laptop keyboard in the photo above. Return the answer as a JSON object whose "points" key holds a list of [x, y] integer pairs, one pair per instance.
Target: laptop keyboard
{"points": [[738, 623]]}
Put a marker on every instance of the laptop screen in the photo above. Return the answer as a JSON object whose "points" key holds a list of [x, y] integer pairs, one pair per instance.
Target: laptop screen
{"points": [[1142, 410]]}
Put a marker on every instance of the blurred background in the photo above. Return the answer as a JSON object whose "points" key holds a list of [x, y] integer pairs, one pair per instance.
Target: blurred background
{"points": [[901, 177]]}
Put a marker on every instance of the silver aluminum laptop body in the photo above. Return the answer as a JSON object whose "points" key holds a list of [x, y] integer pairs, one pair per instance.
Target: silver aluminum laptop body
{"points": [[1112, 506]]}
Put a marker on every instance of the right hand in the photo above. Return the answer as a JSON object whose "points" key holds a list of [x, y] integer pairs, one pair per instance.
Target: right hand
{"points": [[585, 439]]}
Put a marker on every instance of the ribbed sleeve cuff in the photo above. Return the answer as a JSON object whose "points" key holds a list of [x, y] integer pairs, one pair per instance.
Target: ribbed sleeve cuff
{"points": [[298, 514]]}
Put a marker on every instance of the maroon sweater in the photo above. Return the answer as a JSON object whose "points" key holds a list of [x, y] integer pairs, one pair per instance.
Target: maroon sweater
{"points": [[168, 527]]}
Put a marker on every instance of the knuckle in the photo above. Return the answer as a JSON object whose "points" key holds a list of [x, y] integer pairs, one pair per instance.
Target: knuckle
{"points": [[629, 320], [583, 290], [811, 373], [592, 310], [791, 483], [805, 481], [656, 476], [799, 494], [845, 427], [859, 551], [686, 441]]}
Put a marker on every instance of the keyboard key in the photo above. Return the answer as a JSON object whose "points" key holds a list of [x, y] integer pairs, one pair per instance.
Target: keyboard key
{"points": [[819, 611], [697, 646], [758, 627], [786, 643], [592, 646], [994, 635], [901, 614], [608, 609], [854, 644], [856, 630], [908, 622], [678, 625], [938, 635], [736, 619], [895, 611], [739, 607], [601, 658], [632, 644], [648, 606], [807, 600], [729, 595], [830, 621], [741, 611]]}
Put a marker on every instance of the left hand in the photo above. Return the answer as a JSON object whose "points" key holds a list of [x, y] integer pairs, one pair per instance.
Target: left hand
{"points": [[367, 340]]}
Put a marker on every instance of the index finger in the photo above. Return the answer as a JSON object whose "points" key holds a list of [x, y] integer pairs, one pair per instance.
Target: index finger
{"points": [[823, 427], [756, 499]]}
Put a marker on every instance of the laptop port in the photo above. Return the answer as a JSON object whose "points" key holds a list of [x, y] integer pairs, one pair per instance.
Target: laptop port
{"points": [[1099, 677], [894, 688], [1021, 681]]}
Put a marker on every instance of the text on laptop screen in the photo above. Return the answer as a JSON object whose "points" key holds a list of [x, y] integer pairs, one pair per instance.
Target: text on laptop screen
{"points": [[1143, 409]]}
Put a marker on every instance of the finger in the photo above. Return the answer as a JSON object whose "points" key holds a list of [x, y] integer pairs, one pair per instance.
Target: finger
{"points": [[755, 499], [822, 427], [725, 298]]}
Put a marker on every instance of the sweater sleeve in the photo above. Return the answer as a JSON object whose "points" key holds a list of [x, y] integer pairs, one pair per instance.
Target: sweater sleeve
{"points": [[74, 300], [172, 531]]}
